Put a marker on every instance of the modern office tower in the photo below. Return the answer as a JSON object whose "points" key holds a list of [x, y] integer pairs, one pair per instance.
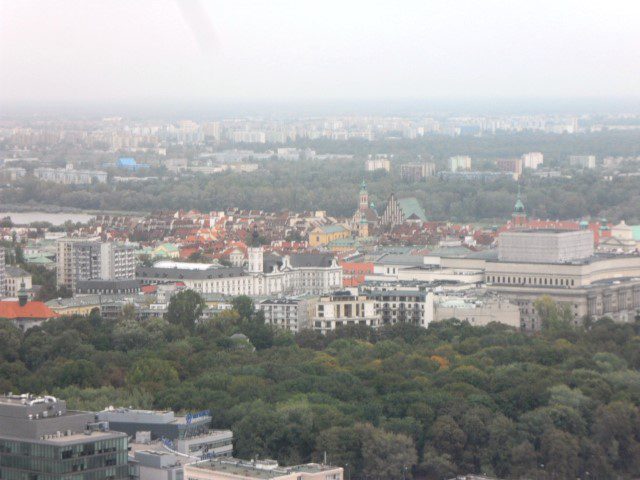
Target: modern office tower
{"points": [[460, 163], [41, 440], [189, 435]]}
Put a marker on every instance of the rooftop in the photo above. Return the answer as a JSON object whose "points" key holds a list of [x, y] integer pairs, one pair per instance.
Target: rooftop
{"points": [[264, 469]]}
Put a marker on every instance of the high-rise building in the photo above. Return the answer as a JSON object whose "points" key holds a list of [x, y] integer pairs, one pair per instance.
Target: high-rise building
{"points": [[3, 274], [532, 160], [77, 259], [460, 163], [118, 261], [511, 165], [582, 161], [416, 172], [41, 440], [85, 259]]}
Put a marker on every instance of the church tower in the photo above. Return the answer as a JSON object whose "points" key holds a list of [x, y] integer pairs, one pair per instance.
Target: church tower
{"points": [[364, 197], [519, 214], [255, 259]]}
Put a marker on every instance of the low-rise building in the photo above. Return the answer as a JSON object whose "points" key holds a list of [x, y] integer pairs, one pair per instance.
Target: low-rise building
{"points": [[189, 435], [16, 278], [234, 469], [327, 233], [291, 314], [403, 306], [478, 312], [342, 309]]}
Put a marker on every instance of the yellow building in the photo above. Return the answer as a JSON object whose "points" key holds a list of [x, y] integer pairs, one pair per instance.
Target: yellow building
{"points": [[327, 234]]}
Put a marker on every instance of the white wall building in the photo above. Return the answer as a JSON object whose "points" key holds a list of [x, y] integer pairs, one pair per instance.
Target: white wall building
{"points": [[532, 160]]}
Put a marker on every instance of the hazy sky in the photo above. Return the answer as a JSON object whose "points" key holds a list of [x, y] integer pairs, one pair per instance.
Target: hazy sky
{"points": [[102, 50]]}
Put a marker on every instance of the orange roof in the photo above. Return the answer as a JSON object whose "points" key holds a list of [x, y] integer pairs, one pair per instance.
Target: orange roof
{"points": [[12, 310]]}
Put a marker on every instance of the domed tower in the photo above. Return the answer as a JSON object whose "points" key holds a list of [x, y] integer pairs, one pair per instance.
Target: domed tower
{"points": [[364, 196], [519, 214]]}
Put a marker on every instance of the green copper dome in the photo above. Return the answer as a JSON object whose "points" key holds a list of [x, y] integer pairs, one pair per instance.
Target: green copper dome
{"points": [[363, 186]]}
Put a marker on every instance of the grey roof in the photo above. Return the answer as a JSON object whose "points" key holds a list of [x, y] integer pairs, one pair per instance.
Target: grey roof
{"points": [[108, 284], [400, 259], [311, 260], [13, 271], [188, 274]]}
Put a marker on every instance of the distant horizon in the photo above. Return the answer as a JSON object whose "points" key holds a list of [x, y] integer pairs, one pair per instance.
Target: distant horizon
{"points": [[199, 109]]}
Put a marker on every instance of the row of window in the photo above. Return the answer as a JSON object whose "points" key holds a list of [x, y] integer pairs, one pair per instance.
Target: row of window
{"points": [[560, 282]]}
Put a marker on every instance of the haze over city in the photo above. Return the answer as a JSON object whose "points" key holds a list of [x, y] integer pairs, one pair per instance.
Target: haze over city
{"points": [[286, 50]]}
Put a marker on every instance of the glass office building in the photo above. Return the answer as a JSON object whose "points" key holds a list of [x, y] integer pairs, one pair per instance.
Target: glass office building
{"points": [[41, 440]]}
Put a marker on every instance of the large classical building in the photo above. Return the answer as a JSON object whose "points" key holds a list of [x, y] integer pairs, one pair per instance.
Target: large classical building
{"points": [[294, 274]]}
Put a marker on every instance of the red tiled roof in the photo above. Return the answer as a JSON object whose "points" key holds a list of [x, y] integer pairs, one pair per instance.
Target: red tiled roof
{"points": [[12, 310]]}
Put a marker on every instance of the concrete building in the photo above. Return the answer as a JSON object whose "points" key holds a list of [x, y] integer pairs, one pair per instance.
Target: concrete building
{"points": [[77, 259], [511, 165], [478, 312], [158, 465], [582, 161], [377, 162], [70, 176], [234, 469], [118, 261], [343, 309], [459, 163], [291, 314], [107, 287], [3, 274], [593, 287], [545, 246], [41, 439], [402, 306], [532, 160], [87, 259], [417, 172], [189, 435]]}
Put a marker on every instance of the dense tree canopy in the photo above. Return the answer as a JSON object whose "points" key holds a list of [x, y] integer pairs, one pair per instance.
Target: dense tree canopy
{"points": [[402, 400]]}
